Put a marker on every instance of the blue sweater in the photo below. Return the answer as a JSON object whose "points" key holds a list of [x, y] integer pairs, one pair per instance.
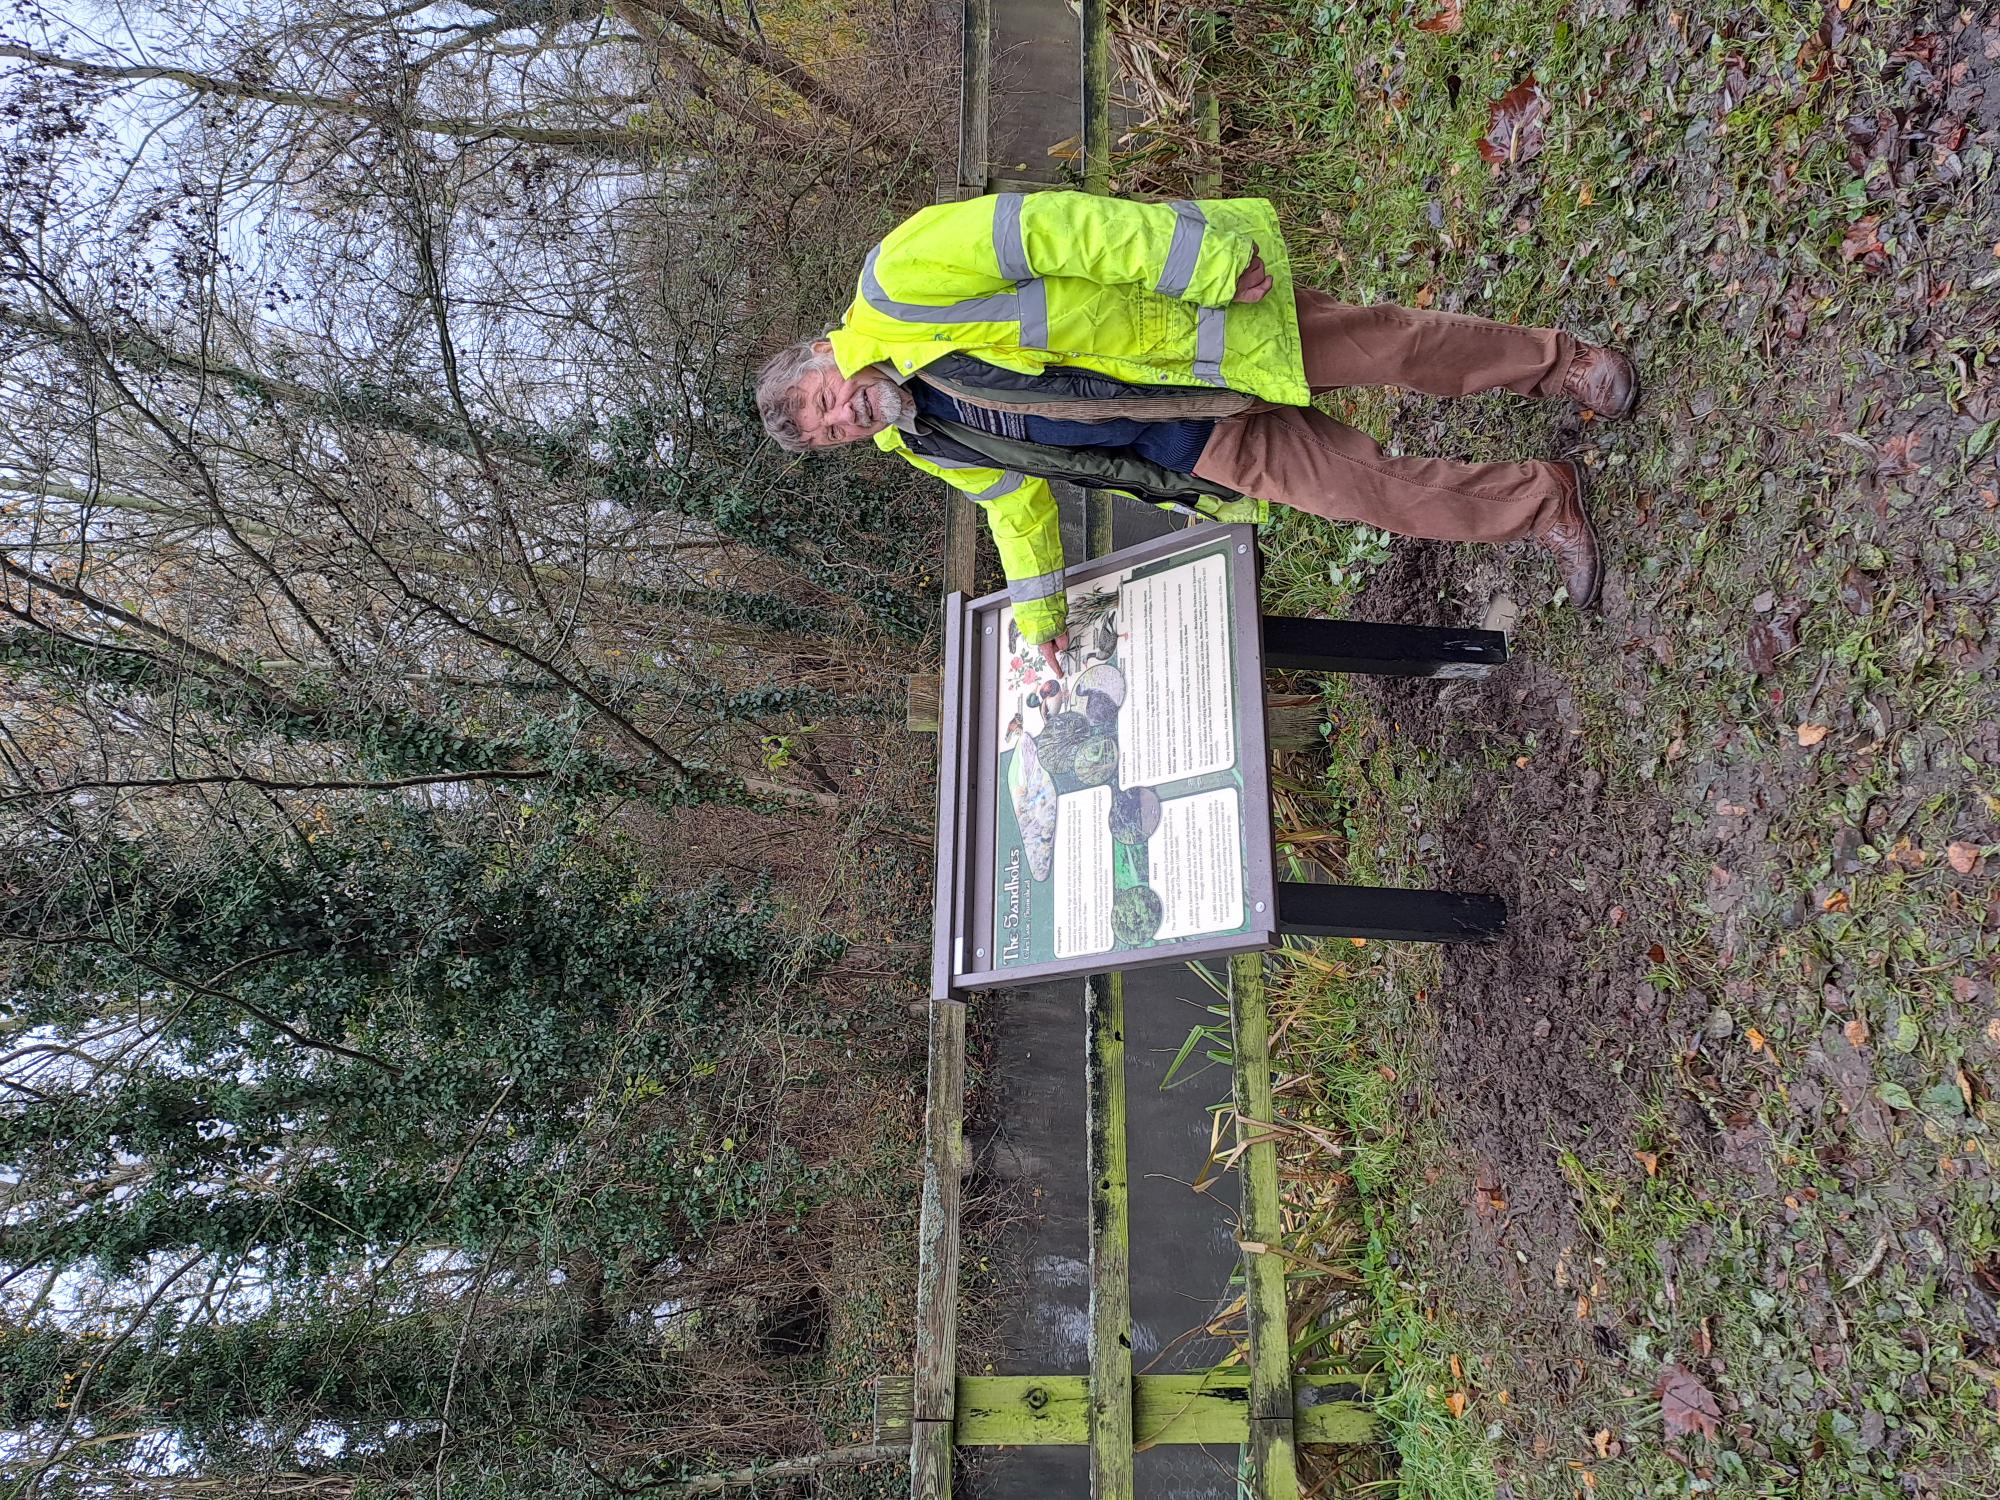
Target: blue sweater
{"points": [[1174, 446]]}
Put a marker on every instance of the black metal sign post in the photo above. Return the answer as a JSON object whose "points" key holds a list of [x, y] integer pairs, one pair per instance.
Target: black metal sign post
{"points": [[1118, 814]]}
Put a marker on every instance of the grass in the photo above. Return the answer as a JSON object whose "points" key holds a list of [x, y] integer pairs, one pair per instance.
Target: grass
{"points": [[1816, 444]]}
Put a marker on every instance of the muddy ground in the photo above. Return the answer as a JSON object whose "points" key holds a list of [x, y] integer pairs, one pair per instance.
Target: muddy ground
{"points": [[1721, 1100]]}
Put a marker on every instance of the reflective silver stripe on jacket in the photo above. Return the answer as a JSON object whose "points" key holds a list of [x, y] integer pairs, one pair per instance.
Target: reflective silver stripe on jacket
{"points": [[1010, 248], [1041, 586], [1007, 483], [1211, 343], [1184, 251], [1027, 304]]}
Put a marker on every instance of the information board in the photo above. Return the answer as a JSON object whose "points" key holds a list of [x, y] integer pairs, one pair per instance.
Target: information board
{"points": [[1117, 813]]}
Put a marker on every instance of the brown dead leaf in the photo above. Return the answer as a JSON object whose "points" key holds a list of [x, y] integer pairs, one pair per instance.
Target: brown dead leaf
{"points": [[1650, 1160], [1836, 902], [1755, 1038], [1812, 734], [1770, 640], [1908, 855], [1863, 243], [1450, 18], [1856, 1032], [1515, 127], [1456, 1403], [1963, 858], [1993, 1031], [1686, 1405], [1605, 1444]]}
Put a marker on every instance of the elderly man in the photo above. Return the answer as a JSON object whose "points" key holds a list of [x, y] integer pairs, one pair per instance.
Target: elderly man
{"points": [[1161, 350]]}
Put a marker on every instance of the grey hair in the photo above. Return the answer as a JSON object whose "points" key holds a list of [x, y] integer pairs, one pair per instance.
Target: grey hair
{"points": [[777, 383]]}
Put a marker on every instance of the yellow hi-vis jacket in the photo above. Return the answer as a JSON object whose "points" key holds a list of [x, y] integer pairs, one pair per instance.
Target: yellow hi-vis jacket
{"points": [[1137, 291]]}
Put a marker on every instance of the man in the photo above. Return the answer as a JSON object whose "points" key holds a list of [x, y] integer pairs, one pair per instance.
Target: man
{"points": [[1161, 350]]}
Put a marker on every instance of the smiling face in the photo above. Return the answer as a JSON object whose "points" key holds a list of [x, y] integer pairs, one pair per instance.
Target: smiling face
{"points": [[831, 409]]}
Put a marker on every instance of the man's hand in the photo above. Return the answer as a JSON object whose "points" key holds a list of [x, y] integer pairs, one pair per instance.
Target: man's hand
{"points": [[1255, 280], [1049, 650]]}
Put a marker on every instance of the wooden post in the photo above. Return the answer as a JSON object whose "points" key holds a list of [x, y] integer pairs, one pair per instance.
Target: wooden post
{"points": [[934, 1386], [1096, 98], [975, 97], [1271, 1448], [1110, 1239]]}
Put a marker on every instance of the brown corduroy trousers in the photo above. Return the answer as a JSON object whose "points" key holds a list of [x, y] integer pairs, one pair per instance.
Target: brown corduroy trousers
{"points": [[1301, 457]]}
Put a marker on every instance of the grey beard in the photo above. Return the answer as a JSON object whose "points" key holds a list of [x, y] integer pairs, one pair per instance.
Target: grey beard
{"points": [[888, 401]]}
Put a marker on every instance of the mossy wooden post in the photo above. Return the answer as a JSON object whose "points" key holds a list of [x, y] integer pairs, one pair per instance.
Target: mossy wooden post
{"points": [[1104, 994], [1096, 98], [1110, 1239], [934, 1387], [1271, 1448], [975, 98]]}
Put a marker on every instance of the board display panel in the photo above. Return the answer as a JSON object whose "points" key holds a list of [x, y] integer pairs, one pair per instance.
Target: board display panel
{"points": [[1117, 814]]}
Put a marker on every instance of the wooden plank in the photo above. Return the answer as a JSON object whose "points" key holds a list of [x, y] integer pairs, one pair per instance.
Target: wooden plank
{"points": [[930, 1460], [1271, 1470], [892, 1408], [920, 702], [961, 544], [1110, 1239], [1212, 1407], [933, 1386], [975, 103], [1096, 98], [1272, 1463]]}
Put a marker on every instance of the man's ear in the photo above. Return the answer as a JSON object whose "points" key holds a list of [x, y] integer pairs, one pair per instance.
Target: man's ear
{"points": [[822, 346]]}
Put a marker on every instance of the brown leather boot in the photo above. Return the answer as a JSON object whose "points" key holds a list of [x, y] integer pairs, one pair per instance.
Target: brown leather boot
{"points": [[1603, 380], [1571, 541]]}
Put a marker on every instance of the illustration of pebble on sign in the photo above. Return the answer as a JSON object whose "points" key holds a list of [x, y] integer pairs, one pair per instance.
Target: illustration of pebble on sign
{"points": [[1122, 825]]}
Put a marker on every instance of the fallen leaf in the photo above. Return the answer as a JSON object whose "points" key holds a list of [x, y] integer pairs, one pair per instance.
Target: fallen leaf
{"points": [[1450, 19], [1868, 1266], [1601, 1441], [1686, 1405], [1965, 1090], [1857, 592], [1455, 1403], [1755, 1038], [1457, 1368], [1657, 954], [1811, 734], [1856, 1032], [1515, 128], [1862, 242], [1908, 855], [1836, 902], [1650, 1160], [1963, 858], [1582, 1308], [1769, 641]]}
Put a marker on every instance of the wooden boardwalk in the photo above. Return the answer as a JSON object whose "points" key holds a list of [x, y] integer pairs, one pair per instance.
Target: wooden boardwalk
{"points": [[1017, 101]]}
